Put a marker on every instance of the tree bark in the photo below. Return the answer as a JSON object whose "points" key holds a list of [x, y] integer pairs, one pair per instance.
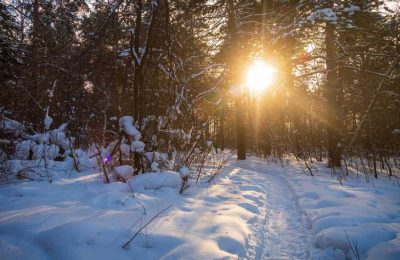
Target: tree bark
{"points": [[35, 50], [233, 77], [334, 156], [138, 67], [240, 130]]}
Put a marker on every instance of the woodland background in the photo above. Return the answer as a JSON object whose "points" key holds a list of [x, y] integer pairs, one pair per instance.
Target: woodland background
{"points": [[172, 65]]}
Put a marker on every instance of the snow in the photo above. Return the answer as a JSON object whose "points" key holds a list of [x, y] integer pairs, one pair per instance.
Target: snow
{"points": [[51, 91], [184, 171], [125, 149], [396, 132], [126, 124], [156, 181], [352, 9], [22, 150], [45, 145], [38, 169], [125, 171], [58, 137], [137, 146], [154, 156], [366, 214], [254, 209], [9, 126], [47, 120], [325, 14], [39, 151], [154, 167], [84, 160], [40, 138]]}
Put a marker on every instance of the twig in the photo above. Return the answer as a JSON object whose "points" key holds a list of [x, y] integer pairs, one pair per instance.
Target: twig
{"points": [[371, 104], [144, 226], [353, 247]]}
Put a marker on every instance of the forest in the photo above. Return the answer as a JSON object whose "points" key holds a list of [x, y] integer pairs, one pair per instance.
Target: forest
{"points": [[131, 90]]}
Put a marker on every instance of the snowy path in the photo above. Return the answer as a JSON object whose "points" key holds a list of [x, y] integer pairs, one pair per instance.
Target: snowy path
{"points": [[279, 231]]}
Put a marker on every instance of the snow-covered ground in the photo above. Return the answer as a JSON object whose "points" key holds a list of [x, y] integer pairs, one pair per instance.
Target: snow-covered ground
{"points": [[253, 210], [356, 217]]}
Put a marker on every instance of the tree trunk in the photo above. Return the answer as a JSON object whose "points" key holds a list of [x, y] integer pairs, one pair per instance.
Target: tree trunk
{"points": [[331, 97], [137, 77], [35, 50], [221, 130], [233, 77], [241, 130], [138, 67]]}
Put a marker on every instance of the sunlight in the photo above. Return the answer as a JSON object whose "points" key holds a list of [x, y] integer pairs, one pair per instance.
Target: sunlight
{"points": [[259, 76], [310, 47]]}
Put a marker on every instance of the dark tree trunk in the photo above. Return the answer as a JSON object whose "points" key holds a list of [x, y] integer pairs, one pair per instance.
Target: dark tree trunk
{"points": [[35, 50], [137, 76], [138, 66], [331, 97], [221, 130]]}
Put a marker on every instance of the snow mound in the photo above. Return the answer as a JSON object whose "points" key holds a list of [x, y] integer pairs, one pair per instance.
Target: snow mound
{"points": [[353, 217], [389, 249], [125, 171], [156, 181]]}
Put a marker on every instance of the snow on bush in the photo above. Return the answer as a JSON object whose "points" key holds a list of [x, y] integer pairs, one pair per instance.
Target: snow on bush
{"points": [[396, 132], [84, 159], [126, 124], [155, 181], [352, 9], [137, 146], [22, 150], [47, 120], [154, 167], [32, 155], [44, 146], [153, 156], [58, 136], [9, 126], [125, 149], [130, 144], [125, 171], [158, 161], [184, 171]]}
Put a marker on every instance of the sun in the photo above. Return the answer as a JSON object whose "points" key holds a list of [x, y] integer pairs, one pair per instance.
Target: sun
{"points": [[259, 76]]}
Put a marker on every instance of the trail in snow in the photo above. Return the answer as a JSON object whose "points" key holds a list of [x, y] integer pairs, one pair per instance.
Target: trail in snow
{"points": [[279, 231]]}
